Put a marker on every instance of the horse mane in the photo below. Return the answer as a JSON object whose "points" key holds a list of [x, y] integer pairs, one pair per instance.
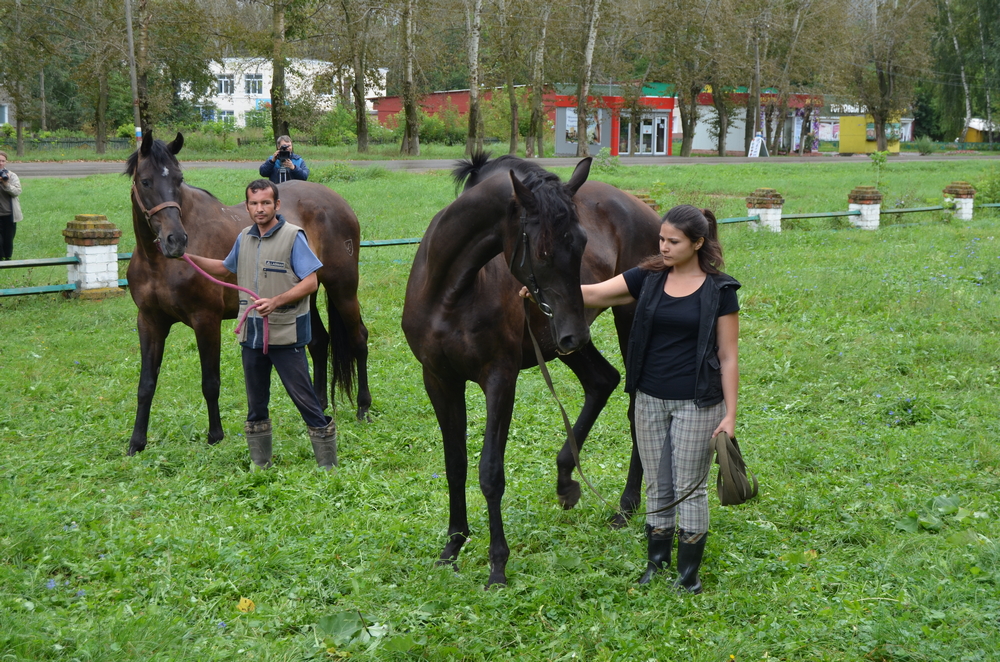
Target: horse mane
{"points": [[553, 201], [158, 154]]}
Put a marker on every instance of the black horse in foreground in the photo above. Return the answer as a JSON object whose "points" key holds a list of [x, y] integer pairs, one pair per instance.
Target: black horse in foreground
{"points": [[170, 217], [515, 223]]}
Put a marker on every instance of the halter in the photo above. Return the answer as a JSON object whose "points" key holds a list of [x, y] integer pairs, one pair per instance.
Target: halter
{"points": [[526, 253]]}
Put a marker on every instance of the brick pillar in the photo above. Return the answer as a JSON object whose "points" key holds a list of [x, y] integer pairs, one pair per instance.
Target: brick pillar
{"points": [[868, 201], [766, 203], [94, 241], [962, 195]]}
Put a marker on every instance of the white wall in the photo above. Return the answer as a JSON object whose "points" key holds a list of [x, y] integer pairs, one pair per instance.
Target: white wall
{"points": [[300, 77]]}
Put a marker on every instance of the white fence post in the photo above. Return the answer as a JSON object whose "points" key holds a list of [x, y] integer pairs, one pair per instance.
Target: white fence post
{"points": [[962, 195], [765, 203], [94, 241], [868, 201]]}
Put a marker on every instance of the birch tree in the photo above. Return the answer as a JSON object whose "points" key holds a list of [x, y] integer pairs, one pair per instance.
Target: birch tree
{"points": [[473, 22], [583, 84]]}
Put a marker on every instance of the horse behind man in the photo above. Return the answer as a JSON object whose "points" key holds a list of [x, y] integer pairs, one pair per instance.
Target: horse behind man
{"points": [[170, 218]]}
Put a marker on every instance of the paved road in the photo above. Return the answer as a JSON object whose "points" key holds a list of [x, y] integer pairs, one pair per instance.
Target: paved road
{"points": [[29, 170]]}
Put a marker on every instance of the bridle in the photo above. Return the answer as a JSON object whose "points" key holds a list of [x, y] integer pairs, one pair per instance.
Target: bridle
{"points": [[526, 254], [148, 213]]}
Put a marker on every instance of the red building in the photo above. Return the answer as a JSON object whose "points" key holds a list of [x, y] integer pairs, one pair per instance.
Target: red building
{"points": [[608, 128]]}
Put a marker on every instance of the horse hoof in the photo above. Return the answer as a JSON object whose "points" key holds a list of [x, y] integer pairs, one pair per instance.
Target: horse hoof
{"points": [[135, 448], [447, 562], [618, 521], [364, 416], [496, 579], [571, 496], [213, 440]]}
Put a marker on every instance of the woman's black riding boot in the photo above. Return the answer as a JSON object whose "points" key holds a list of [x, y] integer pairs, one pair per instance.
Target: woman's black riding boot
{"points": [[689, 555], [659, 543]]}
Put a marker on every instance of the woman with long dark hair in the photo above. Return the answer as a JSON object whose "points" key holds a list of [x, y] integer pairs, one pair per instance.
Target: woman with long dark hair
{"points": [[682, 366]]}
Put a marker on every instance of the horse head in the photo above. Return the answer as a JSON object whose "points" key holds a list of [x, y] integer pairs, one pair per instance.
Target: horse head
{"points": [[548, 250], [156, 192]]}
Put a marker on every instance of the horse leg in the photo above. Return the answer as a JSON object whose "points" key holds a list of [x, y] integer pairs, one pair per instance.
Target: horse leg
{"points": [[152, 336], [599, 380], [631, 494], [319, 350], [350, 336], [208, 334], [448, 400], [499, 390]]}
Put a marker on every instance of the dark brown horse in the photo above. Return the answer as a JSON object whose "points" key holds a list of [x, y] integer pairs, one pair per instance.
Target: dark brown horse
{"points": [[516, 223], [171, 218]]}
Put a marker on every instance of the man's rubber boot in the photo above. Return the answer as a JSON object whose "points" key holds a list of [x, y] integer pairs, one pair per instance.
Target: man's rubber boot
{"points": [[259, 442], [324, 443], [659, 544], [689, 555]]}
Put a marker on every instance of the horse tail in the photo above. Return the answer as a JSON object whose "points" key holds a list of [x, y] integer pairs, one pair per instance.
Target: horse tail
{"points": [[467, 170], [343, 362]]}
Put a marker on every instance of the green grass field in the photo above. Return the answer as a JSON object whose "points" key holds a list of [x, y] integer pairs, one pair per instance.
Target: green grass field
{"points": [[868, 409]]}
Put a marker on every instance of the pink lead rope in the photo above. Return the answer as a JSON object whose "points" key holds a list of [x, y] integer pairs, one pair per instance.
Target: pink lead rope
{"points": [[253, 294]]}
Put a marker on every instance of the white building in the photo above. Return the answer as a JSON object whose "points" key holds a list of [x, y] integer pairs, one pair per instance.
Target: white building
{"points": [[243, 85]]}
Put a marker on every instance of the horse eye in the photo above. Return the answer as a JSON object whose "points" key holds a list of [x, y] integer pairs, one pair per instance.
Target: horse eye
{"points": [[146, 183]]}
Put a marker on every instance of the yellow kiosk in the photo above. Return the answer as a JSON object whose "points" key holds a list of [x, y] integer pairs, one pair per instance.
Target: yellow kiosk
{"points": [[857, 135]]}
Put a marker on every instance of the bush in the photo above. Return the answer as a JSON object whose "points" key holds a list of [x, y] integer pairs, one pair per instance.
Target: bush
{"points": [[924, 145], [8, 131], [336, 127], [988, 188], [126, 130]]}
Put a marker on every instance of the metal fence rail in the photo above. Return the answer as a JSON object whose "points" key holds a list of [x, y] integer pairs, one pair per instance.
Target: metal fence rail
{"points": [[375, 243]]}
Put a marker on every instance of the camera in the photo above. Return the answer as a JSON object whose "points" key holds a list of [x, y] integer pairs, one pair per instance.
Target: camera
{"points": [[4, 174], [284, 153]]}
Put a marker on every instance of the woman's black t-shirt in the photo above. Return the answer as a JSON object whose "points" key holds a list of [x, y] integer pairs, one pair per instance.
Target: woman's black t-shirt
{"points": [[669, 368]]}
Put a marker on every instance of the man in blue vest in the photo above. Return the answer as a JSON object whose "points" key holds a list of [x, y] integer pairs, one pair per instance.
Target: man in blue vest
{"points": [[272, 258], [284, 164]]}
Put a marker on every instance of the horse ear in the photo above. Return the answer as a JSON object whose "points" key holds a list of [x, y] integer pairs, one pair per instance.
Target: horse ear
{"points": [[522, 192], [580, 175], [147, 143], [175, 145]]}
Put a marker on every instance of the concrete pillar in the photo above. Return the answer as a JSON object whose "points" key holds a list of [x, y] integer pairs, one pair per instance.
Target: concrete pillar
{"points": [[766, 203], [962, 195], [94, 241], [868, 201]]}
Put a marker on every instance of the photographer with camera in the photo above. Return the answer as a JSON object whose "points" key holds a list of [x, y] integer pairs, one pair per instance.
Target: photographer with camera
{"points": [[10, 208], [284, 164]]}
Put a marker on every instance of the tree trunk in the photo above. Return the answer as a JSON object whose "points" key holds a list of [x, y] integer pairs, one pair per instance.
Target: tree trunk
{"points": [[779, 130], [411, 128], [986, 75], [358, 49], [689, 118], [101, 113], [748, 125], [41, 97], [279, 121], [880, 114], [536, 127], [142, 65], [961, 68], [473, 23], [722, 111], [806, 131], [515, 128], [583, 87]]}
